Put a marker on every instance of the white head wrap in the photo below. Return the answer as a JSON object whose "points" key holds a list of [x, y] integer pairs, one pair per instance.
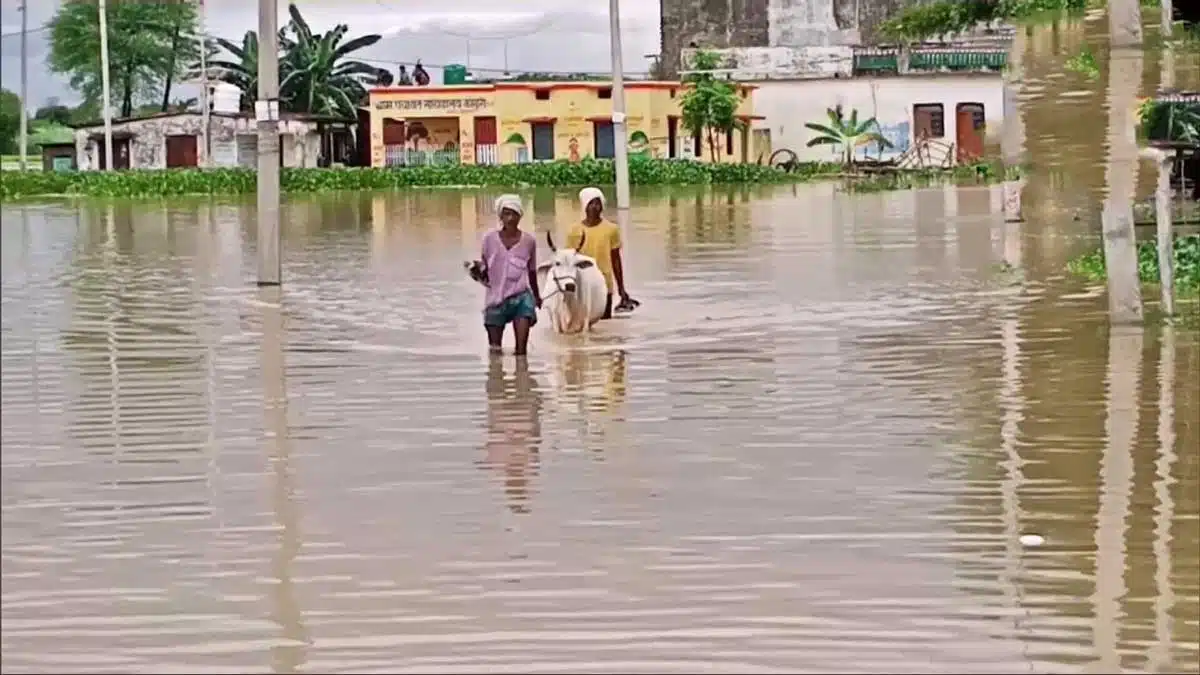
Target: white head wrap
{"points": [[510, 202], [587, 194]]}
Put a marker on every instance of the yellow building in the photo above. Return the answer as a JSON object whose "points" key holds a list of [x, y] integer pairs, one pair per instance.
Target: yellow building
{"points": [[509, 122]]}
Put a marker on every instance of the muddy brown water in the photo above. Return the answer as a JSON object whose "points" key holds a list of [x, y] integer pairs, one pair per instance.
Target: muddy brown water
{"points": [[813, 449]]}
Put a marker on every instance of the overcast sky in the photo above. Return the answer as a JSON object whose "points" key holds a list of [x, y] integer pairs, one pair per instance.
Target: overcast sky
{"points": [[548, 35]]}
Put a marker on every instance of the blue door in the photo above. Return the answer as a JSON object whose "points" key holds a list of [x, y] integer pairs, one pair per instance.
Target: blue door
{"points": [[603, 133], [543, 140]]}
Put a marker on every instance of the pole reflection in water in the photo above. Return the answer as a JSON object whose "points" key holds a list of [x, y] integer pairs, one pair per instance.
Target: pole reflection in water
{"points": [[289, 655], [514, 429], [1116, 479], [1164, 599], [1013, 404]]}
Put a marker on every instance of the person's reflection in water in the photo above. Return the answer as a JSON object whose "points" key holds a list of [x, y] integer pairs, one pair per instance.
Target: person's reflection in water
{"points": [[514, 428], [595, 382]]}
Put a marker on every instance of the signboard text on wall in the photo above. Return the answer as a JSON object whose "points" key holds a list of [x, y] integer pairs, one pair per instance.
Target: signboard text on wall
{"points": [[435, 105]]}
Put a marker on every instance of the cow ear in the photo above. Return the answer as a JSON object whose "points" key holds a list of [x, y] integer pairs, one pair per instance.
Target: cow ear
{"points": [[584, 264]]}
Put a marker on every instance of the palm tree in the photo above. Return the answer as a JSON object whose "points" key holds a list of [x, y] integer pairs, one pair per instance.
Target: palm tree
{"points": [[316, 77], [849, 134], [243, 71]]}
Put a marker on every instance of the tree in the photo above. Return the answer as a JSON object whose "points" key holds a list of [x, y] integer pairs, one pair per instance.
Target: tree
{"points": [[53, 112], [148, 44], [314, 75], [10, 121], [848, 134], [708, 105]]}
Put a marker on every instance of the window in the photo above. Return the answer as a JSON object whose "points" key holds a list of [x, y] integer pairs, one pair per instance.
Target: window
{"points": [[929, 120], [605, 146], [696, 146], [729, 142], [543, 140], [604, 92], [672, 92], [542, 94]]}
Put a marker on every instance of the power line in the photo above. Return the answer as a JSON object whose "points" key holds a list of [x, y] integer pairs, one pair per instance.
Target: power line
{"points": [[31, 31]]}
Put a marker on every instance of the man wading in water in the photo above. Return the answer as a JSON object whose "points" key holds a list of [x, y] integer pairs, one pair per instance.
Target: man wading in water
{"points": [[509, 257], [603, 243]]}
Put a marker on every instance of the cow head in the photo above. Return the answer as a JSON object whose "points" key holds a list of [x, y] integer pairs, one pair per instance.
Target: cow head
{"points": [[562, 271]]}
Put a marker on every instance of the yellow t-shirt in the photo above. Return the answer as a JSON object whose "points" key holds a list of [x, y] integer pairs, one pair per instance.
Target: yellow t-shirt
{"points": [[602, 239]]}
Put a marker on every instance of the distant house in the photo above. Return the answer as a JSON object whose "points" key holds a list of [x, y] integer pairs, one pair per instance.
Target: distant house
{"points": [[173, 139]]}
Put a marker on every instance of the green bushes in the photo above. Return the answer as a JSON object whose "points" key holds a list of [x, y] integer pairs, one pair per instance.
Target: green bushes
{"points": [[642, 171], [1187, 264]]}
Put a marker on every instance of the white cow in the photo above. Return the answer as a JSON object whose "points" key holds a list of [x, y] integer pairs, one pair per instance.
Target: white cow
{"points": [[573, 289]]}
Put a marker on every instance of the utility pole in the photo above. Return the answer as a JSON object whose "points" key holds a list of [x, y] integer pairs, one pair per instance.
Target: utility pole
{"points": [[106, 93], [204, 99], [266, 112], [620, 146], [24, 85]]}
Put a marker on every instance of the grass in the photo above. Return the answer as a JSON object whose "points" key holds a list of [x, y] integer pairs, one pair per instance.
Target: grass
{"points": [[1090, 266]]}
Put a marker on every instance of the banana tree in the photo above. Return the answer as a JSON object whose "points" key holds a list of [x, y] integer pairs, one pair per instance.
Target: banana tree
{"points": [[847, 134], [316, 74], [242, 70]]}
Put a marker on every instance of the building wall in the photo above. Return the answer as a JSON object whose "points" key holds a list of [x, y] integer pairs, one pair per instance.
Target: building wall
{"points": [[721, 24], [788, 105], [574, 109], [300, 143]]}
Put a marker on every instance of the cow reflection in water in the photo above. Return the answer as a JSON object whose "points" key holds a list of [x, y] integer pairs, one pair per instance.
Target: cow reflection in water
{"points": [[593, 384], [514, 429]]}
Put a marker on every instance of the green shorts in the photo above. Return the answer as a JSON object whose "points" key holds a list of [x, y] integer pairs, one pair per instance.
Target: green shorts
{"points": [[519, 306]]}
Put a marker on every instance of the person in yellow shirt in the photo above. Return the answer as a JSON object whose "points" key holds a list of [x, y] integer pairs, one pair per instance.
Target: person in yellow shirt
{"points": [[603, 243]]}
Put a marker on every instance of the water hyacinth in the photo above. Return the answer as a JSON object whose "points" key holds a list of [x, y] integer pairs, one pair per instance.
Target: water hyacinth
{"points": [[149, 183]]}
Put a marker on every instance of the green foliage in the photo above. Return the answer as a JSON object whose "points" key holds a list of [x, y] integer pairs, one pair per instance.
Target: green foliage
{"points": [[10, 121], [42, 133], [943, 17], [54, 113], [1090, 266], [848, 134], [1084, 63], [642, 171], [149, 43], [314, 74], [1169, 121], [709, 105]]}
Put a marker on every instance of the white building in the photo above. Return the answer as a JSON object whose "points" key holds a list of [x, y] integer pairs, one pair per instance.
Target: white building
{"points": [[174, 140], [950, 94], [957, 110]]}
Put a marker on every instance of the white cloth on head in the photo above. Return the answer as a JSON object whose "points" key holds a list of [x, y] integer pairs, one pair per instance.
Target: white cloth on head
{"points": [[587, 194], [510, 202]]}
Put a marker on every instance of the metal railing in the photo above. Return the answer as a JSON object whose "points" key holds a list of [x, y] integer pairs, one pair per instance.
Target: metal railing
{"points": [[398, 155]]}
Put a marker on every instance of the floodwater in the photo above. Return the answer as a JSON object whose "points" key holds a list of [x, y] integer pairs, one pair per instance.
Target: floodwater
{"points": [[813, 449]]}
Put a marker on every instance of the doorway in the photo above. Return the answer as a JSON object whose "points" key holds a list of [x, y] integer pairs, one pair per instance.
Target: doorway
{"points": [[182, 151], [970, 129]]}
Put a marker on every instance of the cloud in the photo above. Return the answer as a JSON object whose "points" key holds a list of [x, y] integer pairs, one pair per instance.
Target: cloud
{"points": [[541, 35]]}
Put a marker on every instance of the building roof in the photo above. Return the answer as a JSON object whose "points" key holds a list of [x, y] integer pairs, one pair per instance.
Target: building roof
{"points": [[286, 116]]}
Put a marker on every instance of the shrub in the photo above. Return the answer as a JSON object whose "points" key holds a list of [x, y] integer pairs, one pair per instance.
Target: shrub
{"points": [[143, 183], [1187, 264]]}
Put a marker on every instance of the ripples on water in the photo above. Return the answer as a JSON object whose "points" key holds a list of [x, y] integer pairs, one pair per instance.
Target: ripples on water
{"points": [[813, 448]]}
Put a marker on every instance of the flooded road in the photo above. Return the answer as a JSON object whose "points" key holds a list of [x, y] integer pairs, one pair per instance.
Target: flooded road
{"points": [[813, 449]]}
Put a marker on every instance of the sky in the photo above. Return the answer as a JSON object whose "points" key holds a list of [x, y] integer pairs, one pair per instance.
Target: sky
{"points": [[544, 35]]}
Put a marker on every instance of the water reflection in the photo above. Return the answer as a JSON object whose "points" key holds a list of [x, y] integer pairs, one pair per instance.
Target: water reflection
{"points": [[514, 429], [821, 437], [288, 655]]}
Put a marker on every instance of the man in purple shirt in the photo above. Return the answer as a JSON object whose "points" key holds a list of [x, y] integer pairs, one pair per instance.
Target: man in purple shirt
{"points": [[509, 257]]}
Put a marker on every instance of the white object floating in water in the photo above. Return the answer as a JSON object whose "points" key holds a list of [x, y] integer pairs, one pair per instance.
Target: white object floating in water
{"points": [[1032, 540]]}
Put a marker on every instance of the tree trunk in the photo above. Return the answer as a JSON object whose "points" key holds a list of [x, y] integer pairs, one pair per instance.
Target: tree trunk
{"points": [[166, 99], [1120, 245], [127, 93]]}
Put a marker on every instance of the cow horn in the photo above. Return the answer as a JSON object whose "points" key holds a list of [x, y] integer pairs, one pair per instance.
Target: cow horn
{"points": [[550, 242]]}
